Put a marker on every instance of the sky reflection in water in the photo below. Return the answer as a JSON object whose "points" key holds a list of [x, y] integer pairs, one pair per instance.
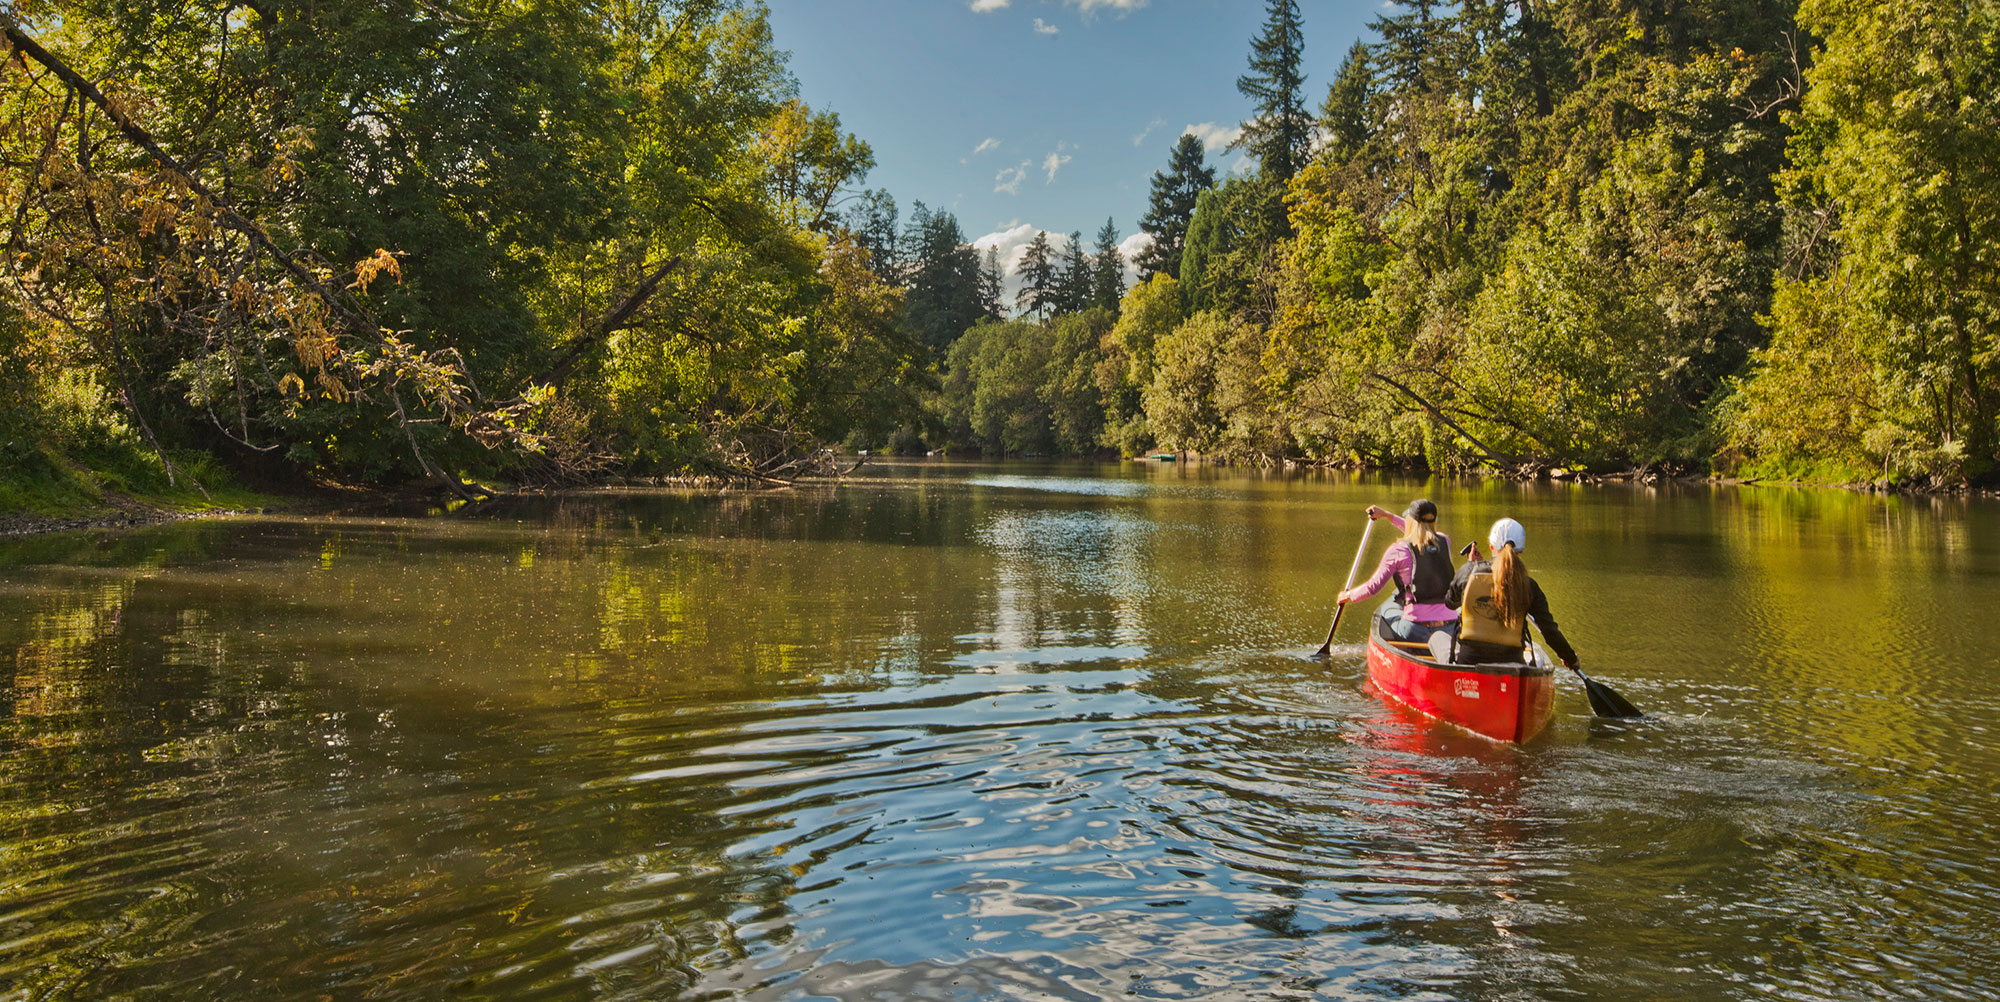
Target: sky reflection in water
{"points": [[966, 732]]}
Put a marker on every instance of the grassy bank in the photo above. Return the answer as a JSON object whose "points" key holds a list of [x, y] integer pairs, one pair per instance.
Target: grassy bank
{"points": [[42, 489]]}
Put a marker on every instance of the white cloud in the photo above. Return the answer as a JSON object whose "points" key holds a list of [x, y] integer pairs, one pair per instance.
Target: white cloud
{"points": [[989, 143], [987, 6], [1130, 248], [1044, 28], [1243, 165], [1140, 139], [1011, 240], [1009, 179], [1054, 162], [1214, 137]]}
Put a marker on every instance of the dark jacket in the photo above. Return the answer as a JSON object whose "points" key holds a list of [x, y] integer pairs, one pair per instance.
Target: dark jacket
{"points": [[1538, 608]]}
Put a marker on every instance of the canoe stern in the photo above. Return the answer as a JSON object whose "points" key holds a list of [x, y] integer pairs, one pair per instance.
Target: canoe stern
{"points": [[1502, 702]]}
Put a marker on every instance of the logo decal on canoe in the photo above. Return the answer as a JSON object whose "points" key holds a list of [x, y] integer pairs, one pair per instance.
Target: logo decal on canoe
{"points": [[1466, 687]]}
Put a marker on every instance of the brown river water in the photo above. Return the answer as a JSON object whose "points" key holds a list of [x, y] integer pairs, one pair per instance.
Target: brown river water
{"points": [[1001, 731]]}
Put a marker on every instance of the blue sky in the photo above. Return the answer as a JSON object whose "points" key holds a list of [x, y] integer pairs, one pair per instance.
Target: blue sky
{"points": [[1018, 115]]}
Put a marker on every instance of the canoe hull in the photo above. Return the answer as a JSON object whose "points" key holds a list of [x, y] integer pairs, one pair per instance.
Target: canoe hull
{"points": [[1507, 702]]}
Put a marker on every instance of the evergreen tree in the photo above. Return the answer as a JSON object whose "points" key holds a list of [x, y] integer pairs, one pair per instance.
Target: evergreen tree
{"points": [[943, 298], [1281, 132], [1345, 115], [1210, 238], [1171, 206], [1409, 41], [991, 283], [1073, 280], [1038, 277], [1107, 279], [872, 220]]}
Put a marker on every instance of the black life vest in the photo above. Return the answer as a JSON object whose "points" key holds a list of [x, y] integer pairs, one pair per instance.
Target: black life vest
{"points": [[1432, 571]]}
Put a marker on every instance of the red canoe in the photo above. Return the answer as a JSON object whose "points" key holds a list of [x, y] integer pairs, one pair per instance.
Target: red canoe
{"points": [[1505, 702]]}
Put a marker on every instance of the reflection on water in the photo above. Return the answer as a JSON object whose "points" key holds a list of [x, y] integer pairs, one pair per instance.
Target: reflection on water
{"points": [[967, 732]]}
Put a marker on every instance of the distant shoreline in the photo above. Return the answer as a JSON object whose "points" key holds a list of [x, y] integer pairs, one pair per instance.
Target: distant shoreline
{"points": [[129, 512]]}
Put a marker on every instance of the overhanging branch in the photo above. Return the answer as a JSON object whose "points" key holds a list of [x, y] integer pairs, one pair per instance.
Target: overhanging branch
{"points": [[1437, 412]]}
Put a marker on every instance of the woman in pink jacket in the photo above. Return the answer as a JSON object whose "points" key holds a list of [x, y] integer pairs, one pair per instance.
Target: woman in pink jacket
{"points": [[1420, 565]]}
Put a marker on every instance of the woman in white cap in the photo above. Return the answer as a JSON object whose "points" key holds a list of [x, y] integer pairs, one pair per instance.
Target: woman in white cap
{"points": [[1498, 599], [1420, 564]]}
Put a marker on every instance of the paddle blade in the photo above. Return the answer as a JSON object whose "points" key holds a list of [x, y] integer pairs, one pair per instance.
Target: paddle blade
{"points": [[1326, 649], [1605, 701]]}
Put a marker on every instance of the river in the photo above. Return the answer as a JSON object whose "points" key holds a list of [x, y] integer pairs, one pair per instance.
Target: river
{"points": [[978, 731]]}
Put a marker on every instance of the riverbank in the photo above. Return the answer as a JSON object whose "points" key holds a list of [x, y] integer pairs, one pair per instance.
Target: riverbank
{"points": [[64, 509], [69, 497]]}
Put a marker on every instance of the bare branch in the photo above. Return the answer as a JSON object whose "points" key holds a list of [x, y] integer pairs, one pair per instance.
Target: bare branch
{"points": [[1438, 413]]}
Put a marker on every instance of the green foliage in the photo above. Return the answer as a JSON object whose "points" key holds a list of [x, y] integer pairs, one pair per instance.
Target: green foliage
{"points": [[1019, 387], [544, 241], [523, 239], [1038, 277], [993, 388], [1074, 279], [948, 291], [1107, 270], [1148, 313], [1070, 388], [1568, 353], [1898, 145], [1212, 233], [1184, 401], [1812, 400]]}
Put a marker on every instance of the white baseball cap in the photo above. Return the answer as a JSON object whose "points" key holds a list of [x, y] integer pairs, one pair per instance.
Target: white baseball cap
{"points": [[1507, 531]]}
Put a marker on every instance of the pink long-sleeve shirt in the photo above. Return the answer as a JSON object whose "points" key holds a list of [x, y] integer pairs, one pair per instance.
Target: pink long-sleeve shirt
{"points": [[1400, 561]]}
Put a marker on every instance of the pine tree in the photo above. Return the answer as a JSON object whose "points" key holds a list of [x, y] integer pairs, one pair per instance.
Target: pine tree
{"points": [[872, 220], [1038, 277], [1171, 206], [991, 283], [1281, 132], [944, 282], [1073, 280], [1107, 270], [1406, 51], [1344, 116]]}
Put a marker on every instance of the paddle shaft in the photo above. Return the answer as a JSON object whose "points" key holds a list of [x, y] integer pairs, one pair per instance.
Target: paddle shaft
{"points": [[1352, 570]]}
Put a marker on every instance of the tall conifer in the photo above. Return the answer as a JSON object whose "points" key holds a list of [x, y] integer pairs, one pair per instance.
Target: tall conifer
{"points": [[1107, 270], [1038, 276], [1171, 206], [1281, 132], [1073, 277]]}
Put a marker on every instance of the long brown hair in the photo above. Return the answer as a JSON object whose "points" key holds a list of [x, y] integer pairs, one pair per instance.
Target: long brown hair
{"points": [[1510, 586]]}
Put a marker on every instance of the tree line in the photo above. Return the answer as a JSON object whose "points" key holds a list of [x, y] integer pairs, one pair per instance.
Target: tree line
{"points": [[504, 241], [1749, 237]]}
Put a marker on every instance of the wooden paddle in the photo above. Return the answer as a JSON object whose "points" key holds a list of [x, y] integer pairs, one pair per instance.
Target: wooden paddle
{"points": [[1353, 569]]}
